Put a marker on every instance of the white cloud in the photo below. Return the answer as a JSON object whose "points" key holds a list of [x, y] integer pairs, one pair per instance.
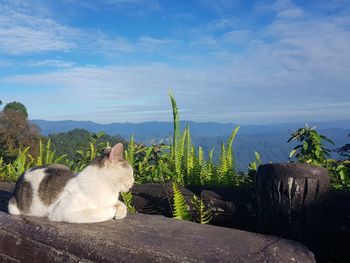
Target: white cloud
{"points": [[291, 13], [108, 45], [153, 5], [152, 43], [22, 33], [238, 36], [298, 65], [50, 63]]}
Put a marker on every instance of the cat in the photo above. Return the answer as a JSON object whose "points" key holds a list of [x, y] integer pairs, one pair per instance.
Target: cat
{"points": [[90, 196]]}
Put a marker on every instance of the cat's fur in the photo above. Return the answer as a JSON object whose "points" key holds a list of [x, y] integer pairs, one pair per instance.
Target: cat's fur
{"points": [[90, 196]]}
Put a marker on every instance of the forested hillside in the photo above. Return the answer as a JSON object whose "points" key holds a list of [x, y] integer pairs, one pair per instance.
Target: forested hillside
{"points": [[268, 140], [78, 139]]}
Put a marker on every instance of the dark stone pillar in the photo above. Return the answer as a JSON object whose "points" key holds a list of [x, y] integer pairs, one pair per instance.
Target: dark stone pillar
{"points": [[288, 196]]}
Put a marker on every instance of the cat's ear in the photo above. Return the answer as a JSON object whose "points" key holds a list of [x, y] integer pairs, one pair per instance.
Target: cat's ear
{"points": [[117, 152]]}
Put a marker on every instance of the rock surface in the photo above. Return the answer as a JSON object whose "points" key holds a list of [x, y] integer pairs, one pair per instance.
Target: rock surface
{"points": [[138, 238], [231, 207]]}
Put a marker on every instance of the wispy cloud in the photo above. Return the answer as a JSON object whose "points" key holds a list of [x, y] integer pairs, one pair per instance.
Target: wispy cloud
{"points": [[230, 68], [50, 63], [23, 33]]}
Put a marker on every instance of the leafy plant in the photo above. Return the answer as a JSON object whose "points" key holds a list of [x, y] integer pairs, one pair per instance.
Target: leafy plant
{"points": [[311, 148], [203, 216], [86, 156], [127, 198], [46, 155], [340, 174], [190, 166], [253, 166], [181, 210], [12, 171]]}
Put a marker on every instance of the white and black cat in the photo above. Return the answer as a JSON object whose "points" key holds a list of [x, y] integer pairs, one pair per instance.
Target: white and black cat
{"points": [[90, 196]]}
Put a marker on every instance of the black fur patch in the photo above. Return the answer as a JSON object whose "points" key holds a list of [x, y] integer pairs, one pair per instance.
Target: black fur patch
{"points": [[23, 194], [57, 176], [101, 159]]}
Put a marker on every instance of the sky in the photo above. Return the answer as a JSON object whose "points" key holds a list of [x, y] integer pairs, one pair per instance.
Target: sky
{"points": [[228, 61]]}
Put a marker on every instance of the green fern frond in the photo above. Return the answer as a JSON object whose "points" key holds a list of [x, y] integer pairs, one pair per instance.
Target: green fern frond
{"points": [[130, 151], [258, 158], [253, 166], [181, 210], [176, 151], [229, 152], [127, 198], [203, 215]]}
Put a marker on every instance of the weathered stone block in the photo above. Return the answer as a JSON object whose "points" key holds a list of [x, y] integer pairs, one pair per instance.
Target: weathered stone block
{"points": [[139, 238], [288, 194]]}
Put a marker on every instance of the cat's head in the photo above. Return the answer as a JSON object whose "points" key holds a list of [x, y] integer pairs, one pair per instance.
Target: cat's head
{"points": [[112, 163]]}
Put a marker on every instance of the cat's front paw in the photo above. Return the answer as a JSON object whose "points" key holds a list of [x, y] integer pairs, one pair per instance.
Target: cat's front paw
{"points": [[121, 211]]}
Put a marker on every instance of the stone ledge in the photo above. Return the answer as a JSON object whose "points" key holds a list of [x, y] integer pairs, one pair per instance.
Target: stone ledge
{"points": [[139, 238]]}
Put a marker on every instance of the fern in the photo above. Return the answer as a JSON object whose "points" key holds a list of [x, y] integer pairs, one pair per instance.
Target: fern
{"points": [[130, 152], [223, 167], [203, 175], [127, 198], [176, 150], [253, 166], [226, 171], [203, 216], [229, 153], [181, 210]]}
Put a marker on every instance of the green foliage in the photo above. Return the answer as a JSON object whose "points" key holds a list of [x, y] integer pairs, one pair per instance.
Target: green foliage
{"points": [[203, 216], [181, 210], [253, 166], [95, 148], [46, 155], [226, 172], [127, 198], [340, 174], [17, 107], [150, 164], [311, 148], [177, 147], [190, 166], [12, 171], [69, 142], [130, 152]]}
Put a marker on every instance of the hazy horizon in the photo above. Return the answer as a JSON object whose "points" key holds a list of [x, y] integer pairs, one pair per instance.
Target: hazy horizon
{"points": [[223, 123], [246, 62]]}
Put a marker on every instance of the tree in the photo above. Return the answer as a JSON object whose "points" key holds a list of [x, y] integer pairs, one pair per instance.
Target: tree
{"points": [[17, 107], [16, 132]]}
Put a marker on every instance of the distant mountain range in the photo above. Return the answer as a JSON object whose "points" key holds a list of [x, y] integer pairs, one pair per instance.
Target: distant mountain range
{"points": [[269, 140]]}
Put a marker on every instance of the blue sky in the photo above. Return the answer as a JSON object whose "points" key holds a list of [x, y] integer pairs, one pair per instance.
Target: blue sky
{"points": [[225, 60]]}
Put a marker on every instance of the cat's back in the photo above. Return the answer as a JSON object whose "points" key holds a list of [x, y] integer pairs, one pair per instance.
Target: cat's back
{"points": [[38, 188]]}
